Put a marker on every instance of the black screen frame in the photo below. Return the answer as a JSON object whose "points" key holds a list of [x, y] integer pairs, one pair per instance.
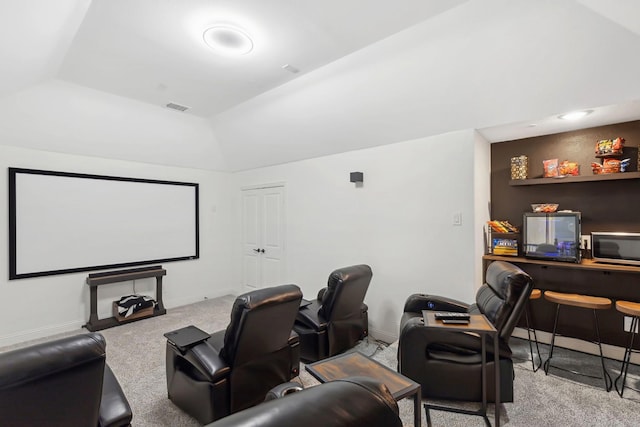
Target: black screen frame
{"points": [[13, 237]]}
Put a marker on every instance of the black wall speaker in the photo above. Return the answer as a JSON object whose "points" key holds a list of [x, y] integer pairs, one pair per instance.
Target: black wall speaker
{"points": [[356, 177]]}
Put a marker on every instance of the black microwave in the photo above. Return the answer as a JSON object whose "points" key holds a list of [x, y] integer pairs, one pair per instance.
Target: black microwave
{"points": [[552, 236], [615, 247]]}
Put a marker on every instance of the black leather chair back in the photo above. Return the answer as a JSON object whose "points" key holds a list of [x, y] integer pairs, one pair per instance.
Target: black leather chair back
{"points": [[54, 383], [342, 305], [346, 289], [261, 323], [504, 296], [256, 342]]}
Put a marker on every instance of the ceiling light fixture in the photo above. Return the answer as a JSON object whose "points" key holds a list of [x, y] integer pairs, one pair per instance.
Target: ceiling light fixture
{"points": [[575, 115], [228, 40]]}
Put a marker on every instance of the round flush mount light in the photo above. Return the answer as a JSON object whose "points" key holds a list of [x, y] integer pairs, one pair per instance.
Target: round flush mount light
{"points": [[575, 115], [228, 40]]}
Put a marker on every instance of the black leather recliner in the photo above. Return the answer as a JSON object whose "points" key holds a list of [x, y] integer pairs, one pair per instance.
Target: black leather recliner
{"points": [[447, 363], [235, 368], [63, 382], [338, 318], [349, 402]]}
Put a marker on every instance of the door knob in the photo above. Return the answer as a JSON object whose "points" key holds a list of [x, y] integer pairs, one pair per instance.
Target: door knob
{"points": [[256, 250], [262, 250]]}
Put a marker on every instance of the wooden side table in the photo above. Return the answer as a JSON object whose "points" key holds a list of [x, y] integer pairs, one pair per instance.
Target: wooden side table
{"points": [[480, 325], [357, 364]]}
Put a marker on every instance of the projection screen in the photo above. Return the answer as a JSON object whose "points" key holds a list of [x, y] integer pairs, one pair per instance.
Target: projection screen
{"points": [[67, 222]]}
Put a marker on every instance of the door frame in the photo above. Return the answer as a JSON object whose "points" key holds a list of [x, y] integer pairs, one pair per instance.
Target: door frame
{"points": [[281, 184]]}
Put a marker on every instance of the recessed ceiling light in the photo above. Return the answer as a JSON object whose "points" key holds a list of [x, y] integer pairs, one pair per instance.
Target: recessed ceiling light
{"points": [[575, 115], [228, 40]]}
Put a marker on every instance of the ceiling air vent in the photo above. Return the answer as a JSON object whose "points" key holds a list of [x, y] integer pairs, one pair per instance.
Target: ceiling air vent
{"points": [[290, 68], [178, 107]]}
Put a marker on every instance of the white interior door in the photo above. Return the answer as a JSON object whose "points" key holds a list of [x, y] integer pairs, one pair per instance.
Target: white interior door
{"points": [[263, 237]]}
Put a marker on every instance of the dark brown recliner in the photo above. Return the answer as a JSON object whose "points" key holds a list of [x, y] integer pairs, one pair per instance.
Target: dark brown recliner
{"points": [[235, 368], [63, 382], [447, 364], [348, 402], [338, 318]]}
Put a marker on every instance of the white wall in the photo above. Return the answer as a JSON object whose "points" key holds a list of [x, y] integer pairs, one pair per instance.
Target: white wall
{"points": [[482, 196], [66, 118], [38, 307], [400, 221]]}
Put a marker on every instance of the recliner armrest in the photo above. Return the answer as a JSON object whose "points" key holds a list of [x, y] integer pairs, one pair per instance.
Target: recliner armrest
{"points": [[321, 293], [294, 339], [310, 317], [282, 390], [414, 335], [418, 302], [114, 406], [207, 361]]}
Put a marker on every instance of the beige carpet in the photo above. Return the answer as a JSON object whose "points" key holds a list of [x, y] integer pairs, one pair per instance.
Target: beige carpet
{"points": [[136, 353]]}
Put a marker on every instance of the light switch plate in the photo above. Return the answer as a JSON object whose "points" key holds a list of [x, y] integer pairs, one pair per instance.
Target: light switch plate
{"points": [[457, 218]]}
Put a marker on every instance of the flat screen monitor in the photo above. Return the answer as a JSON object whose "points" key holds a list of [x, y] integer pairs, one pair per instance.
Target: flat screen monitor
{"points": [[552, 236]]}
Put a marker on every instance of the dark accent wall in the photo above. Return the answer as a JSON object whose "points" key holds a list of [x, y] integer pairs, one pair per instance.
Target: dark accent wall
{"points": [[605, 205]]}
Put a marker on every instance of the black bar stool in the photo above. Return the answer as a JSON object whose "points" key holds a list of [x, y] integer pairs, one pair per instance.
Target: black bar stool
{"points": [[583, 301], [531, 328], [631, 309]]}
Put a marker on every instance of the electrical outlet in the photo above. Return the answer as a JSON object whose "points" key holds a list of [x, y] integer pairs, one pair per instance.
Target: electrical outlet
{"points": [[585, 241], [627, 324]]}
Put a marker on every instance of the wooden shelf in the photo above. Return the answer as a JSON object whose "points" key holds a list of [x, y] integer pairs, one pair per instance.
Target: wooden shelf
{"points": [[604, 156], [579, 178], [585, 264]]}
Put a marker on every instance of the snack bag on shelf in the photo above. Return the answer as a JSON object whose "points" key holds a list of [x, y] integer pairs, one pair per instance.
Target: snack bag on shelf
{"points": [[502, 227], [610, 166], [608, 146], [506, 247], [550, 168], [569, 168]]}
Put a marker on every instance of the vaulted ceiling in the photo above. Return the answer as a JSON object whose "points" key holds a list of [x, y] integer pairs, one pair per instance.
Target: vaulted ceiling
{"points": [[371, 72]]}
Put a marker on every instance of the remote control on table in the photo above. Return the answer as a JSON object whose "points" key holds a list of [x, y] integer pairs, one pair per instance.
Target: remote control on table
{"points": [[451, 315]]}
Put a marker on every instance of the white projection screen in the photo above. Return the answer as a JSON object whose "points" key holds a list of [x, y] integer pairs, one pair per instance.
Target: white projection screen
{"points": [[66, 222]]}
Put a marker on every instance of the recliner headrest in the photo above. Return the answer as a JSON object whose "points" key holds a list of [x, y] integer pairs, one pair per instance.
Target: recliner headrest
{"points": [[354, 275], [41, 360]]}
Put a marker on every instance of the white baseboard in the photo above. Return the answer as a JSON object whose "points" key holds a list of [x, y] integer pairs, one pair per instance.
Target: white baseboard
{"points": [[178, 302], [383, 336], [38, 333]]}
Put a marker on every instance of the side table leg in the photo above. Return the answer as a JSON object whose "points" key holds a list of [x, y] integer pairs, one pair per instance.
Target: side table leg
{"points": [[496, 363], [160, 306], [93, 304], [417, 416]]}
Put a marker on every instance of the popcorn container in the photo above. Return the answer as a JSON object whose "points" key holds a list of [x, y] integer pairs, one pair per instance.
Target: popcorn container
{"points": [[519, 167]]}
